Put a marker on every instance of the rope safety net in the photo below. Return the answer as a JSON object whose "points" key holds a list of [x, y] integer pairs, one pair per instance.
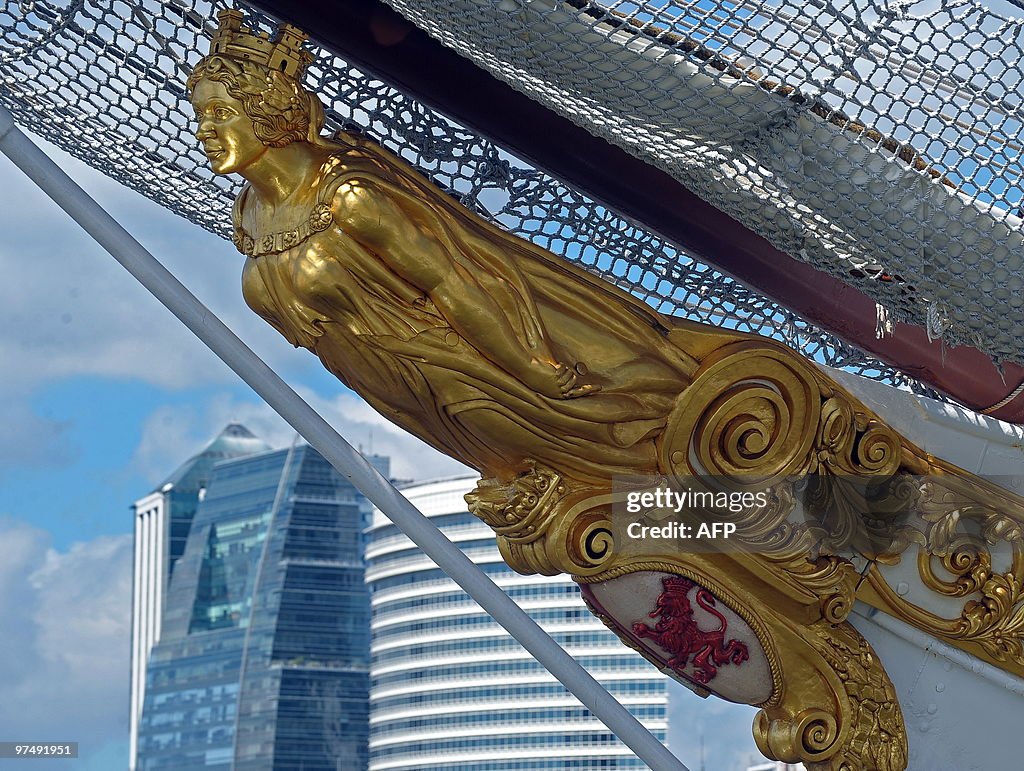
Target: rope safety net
{"points": [[104, 80], [878, 140]]}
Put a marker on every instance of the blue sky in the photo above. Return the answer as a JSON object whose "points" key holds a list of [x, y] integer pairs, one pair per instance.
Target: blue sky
{"points": [[102, 394]]}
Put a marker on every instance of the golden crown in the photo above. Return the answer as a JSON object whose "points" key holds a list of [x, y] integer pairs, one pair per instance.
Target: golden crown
{"points": [[283, 53]]}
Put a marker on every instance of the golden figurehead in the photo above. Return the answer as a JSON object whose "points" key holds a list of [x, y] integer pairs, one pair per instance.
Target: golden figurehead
{"points": [[551, 382], [480, 343]]}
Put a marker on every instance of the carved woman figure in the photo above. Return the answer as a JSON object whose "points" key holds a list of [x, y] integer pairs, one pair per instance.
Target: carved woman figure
{"points": [[511, 360], [482, 344]]}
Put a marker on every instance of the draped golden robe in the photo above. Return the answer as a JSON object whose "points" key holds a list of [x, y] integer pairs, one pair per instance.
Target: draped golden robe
{"points": [[387, 340]]}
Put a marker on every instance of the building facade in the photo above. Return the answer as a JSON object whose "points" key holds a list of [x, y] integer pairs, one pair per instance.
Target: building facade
{"points": [[451, 689], [262, 661], [162, 521]]}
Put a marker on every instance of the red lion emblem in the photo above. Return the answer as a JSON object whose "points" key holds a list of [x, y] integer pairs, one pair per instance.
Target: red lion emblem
{"points": [[678, 633]]}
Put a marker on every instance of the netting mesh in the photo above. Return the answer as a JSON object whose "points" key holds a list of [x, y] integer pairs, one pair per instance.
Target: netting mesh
{"points": [[879, 140], [105, 81]]}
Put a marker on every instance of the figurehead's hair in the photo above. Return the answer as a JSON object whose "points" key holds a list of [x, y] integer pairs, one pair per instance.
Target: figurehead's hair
{"points": [[265, 76]]}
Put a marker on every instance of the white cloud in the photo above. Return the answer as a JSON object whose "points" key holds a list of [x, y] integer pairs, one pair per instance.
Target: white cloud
{"points": [[64, 648], [67, 309], [172, 434]]}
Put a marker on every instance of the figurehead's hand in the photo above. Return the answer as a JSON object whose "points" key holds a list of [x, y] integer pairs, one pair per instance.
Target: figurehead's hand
{"points": [[557, 381]]}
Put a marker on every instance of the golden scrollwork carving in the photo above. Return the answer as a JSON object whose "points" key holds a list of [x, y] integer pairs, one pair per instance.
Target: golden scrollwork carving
{"points": [[519, 510], [552, 383], [771, 416], [758, 425], [955, 536], [864, 730], [544, 525], [832, 706]]}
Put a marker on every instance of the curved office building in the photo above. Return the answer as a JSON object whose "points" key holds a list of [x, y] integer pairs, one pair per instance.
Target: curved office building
{"points": [[262, 659], [450, 689]]}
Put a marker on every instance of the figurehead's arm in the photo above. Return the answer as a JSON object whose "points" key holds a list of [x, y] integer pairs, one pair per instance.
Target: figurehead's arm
{"points": [[411, 239]]}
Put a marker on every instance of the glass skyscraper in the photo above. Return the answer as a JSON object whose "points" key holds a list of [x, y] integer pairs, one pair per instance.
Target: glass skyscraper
{"points": [[451, 690], [162, 523], [263, 657]]}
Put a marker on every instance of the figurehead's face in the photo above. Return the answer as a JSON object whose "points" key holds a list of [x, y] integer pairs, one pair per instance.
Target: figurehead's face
{"points": [[227, 133]]}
